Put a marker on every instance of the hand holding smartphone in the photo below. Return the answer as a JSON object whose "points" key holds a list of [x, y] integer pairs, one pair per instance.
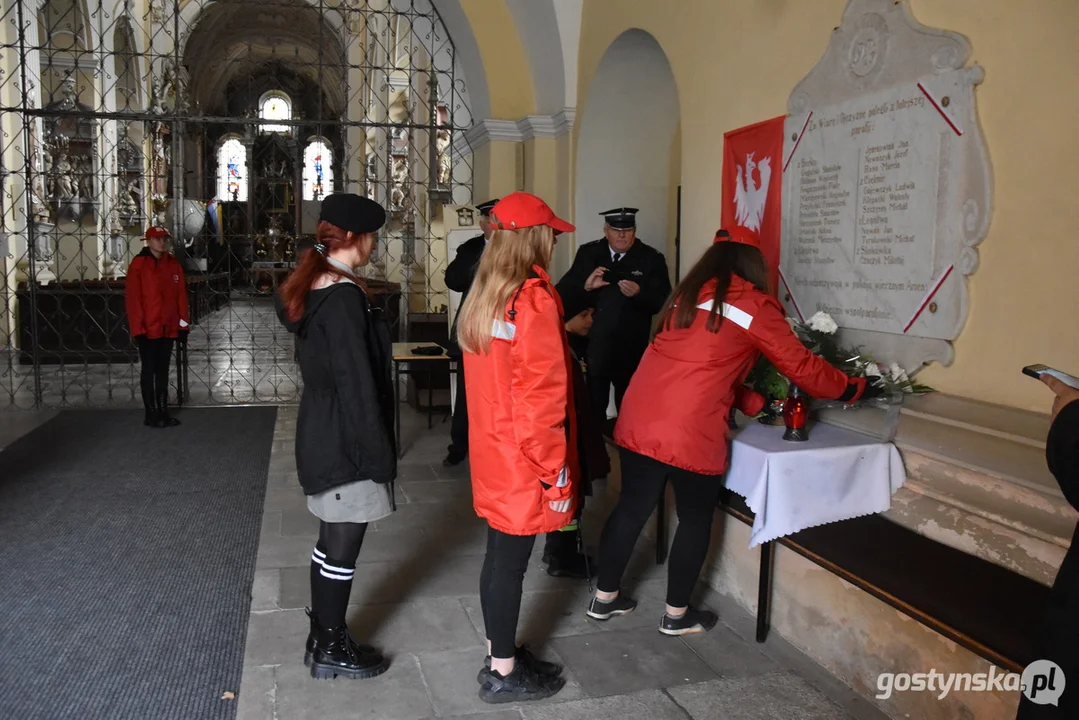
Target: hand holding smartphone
{"points": [[1036, 372]]}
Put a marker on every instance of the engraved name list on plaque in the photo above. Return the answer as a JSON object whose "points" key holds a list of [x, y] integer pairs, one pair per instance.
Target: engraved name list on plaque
{"points": [[886, 185]]}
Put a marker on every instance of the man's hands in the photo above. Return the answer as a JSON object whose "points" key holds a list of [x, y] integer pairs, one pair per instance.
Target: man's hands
{"points": [[1065, 393], [628, 287], [580, 323], [595, 281]]}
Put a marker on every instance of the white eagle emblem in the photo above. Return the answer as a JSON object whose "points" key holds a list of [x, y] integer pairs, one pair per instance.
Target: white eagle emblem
{"points": [[749, 199]]}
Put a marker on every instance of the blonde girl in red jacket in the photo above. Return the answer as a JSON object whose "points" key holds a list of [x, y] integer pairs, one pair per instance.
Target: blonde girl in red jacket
{"points": [[673, 425], [521, 432]]}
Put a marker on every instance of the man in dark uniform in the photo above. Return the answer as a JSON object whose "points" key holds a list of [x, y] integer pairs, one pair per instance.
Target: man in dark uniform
{"points": [[626, 282], [459, 276]]}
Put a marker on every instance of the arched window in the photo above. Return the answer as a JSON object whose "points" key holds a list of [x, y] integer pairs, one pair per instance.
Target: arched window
{"points": [[275, 106], [317, 170], [232, 171]]}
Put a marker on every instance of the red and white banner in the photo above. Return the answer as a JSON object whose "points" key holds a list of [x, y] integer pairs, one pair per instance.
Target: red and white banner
{"points": [[753, 185]]}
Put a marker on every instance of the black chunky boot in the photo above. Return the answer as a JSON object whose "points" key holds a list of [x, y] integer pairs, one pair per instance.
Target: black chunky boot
{"points": [[335, 655], [309, 649], [163, 417]]}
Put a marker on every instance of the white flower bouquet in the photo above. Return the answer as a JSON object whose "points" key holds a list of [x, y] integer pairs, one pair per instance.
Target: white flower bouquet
{"points": [[818, 334]]}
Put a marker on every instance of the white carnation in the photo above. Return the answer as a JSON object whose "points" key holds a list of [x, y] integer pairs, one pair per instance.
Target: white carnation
{"points": [[898, 374], [823, 322], [872, 370]]}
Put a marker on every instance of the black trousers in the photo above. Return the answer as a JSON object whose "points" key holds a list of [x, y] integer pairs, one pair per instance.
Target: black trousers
{"points": [[154, 356], [501, 581], [459, 423], [643, 483], [605, 372]]}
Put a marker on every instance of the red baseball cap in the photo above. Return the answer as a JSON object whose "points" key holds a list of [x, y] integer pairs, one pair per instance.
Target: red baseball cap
{"points": [[738, 234], [157, 232], [521, 210]]}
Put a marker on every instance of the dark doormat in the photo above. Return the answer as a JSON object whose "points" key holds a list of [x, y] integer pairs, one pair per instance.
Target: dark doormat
{"points": [[127, 556]]}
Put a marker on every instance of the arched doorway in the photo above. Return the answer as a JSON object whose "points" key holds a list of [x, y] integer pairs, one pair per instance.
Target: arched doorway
{"points": [[628, 149], [228, 122]]}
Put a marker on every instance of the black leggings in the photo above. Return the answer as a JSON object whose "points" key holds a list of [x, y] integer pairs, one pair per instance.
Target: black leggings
{"points": [[500, 588], [643, 483], [333, 563], [154, 356]]}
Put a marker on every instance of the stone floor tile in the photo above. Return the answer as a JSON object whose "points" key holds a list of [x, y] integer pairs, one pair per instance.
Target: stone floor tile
{"points": [[612, 663], [276, 551], [266, 590], [257, 696], [512, 714], [647, 705], [444, 492], [417, 472], [276, 638], [297, 521], [451, 678], [285, 498], [765, 697], [730, 655], [398, 694], [421, 626]]}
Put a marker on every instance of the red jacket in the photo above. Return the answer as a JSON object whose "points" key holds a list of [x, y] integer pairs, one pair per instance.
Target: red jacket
{"points": [[156, 296], [522, 434], [677, 406]]}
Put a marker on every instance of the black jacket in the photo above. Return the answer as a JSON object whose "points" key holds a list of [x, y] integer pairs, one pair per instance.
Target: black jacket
{"points": [[345, 428], [621, 326], [459, 276], [1059, 637]]}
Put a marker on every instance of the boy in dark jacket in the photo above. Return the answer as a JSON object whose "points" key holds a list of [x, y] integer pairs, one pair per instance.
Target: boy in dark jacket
{"points": [[562, 551]]}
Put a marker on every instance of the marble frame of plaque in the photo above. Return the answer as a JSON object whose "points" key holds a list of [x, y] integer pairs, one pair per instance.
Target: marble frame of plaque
{"points": [[887, 185]]}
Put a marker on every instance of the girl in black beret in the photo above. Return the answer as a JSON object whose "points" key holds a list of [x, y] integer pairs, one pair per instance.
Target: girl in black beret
{"points": [[346, 458]]}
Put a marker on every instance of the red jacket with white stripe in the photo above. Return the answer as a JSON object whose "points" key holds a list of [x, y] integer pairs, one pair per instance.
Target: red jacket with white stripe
{"points": [[677, 406], [522, 435], [155, 293]]}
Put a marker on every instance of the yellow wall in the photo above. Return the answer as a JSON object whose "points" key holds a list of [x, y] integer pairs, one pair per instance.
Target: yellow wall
{"points": [[504, 62], [735, 62]]}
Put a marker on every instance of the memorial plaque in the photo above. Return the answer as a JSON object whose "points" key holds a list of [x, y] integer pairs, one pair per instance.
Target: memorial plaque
{"points": [[886, 185]]}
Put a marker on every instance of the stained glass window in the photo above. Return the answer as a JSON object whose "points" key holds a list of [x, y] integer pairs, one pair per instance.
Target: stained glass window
{"points": [[317, 170], [232, 171], [275, 106]]}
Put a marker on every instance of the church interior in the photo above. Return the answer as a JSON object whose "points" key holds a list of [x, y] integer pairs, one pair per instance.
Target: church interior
{"points": [[229, 121]]}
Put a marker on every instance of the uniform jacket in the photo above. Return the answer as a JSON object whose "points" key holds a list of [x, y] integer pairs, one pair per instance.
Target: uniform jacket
{"points": [[344, 432], [459, 275], [678, 403], [1058, 639], [621, 326], [155, 294], [522, 434]]}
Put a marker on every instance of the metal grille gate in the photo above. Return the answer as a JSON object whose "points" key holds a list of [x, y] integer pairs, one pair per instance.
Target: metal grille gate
{"points": [[226, 121]]}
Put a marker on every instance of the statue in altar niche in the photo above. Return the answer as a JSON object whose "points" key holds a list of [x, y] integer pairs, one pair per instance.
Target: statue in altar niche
{"points": [[41, 167], [445, 168], [128, 201], [399, 191]]}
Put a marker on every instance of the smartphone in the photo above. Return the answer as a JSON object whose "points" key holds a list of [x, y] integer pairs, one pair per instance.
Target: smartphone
{"points": [[1036, 371], [615, 276]]}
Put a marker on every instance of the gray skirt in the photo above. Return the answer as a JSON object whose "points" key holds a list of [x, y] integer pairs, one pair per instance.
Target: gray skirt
{"points": [[357, 502]]}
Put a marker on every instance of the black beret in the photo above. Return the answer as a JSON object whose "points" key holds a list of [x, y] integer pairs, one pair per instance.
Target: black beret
{"points": [[352, 213]]}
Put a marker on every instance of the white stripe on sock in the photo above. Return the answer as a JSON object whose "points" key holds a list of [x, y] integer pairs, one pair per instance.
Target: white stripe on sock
{"points": [[318, 553], [333, 576]]}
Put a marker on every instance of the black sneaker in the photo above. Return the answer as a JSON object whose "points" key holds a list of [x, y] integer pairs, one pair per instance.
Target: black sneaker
{"points": [[522, 684], [692, 621], [454, 457], [621, 605], [524, 655]]}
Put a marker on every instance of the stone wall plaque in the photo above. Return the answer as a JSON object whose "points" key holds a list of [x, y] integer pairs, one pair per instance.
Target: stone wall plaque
{"points": [[886, 185]]}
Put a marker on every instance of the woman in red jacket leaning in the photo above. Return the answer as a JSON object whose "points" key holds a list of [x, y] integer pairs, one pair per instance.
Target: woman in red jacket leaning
{"points": [[155, 293], [674, 420], [521, 428]]}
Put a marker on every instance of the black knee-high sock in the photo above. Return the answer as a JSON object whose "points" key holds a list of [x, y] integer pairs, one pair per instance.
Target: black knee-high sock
{"points": [[331, 585], [318, 557]]}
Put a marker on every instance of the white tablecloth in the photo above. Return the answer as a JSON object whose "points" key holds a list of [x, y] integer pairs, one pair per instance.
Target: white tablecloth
{"points": [[790, 486]]}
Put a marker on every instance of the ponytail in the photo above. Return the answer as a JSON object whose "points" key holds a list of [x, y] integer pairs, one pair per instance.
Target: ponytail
{"points": [[294, 290]]}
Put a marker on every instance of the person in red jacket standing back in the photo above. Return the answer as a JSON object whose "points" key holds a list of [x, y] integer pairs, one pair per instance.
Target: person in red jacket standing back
{"points": [[674, 423], [521, 428], [156, 299]]}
